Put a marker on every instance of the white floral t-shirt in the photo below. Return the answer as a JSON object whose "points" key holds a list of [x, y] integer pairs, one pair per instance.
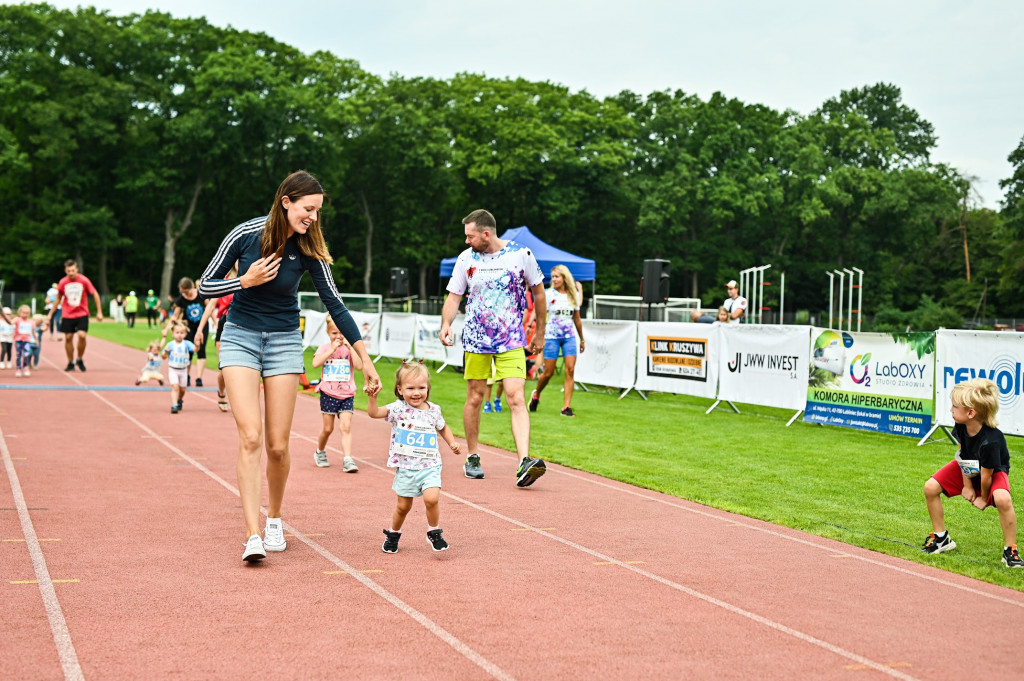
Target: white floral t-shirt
{"points": [[495, 286], [414, 436]]}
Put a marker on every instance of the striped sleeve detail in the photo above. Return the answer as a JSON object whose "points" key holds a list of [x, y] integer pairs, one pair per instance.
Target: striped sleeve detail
{"points": [[213, 284]]}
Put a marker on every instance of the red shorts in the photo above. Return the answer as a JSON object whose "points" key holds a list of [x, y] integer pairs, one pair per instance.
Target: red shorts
{"points": [[952, 481]]}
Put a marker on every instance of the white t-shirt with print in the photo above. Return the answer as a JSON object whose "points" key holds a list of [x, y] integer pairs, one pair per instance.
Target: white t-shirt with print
{"points": [[414, 436], [495, 286], [737, 303], [560, 315]]}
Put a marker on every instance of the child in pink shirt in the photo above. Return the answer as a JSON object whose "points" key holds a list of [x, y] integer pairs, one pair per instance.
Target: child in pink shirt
{"points": [[337, 394]]}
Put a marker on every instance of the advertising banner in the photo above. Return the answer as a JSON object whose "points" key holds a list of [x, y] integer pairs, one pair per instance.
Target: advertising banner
{"points": [[428, 341], [455, 352], [369, 328], [314, 329], [610, 357], [995, 355], [764, 364], [397, 330], [872, 381], [678, 358]]}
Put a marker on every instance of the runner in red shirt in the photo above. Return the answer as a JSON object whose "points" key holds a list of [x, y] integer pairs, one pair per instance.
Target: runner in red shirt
{"points": [[72, 299]]}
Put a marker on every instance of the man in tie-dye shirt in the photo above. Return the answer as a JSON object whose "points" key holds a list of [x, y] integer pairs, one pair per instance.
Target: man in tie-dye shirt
{"points": [[494, 275]]}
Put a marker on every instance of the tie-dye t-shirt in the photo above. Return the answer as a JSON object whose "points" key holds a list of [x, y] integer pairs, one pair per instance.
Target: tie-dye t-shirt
{"points": [[495, 286], [414, 436], [560, 312]]}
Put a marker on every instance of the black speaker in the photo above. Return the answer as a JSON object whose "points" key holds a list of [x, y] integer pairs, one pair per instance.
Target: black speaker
{"points": [[656, 280], [399, 283]]}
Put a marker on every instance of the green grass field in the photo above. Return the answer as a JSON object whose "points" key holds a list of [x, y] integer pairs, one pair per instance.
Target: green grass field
{"points": [[861, 488]]}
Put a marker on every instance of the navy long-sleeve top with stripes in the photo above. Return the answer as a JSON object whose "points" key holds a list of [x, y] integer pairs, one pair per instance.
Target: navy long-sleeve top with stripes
{"points": [[274, 305]]}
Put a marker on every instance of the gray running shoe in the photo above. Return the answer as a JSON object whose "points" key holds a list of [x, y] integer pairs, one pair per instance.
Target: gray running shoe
{"points": [[349, 466], [472, 467], [529, 470], [320, 458]]}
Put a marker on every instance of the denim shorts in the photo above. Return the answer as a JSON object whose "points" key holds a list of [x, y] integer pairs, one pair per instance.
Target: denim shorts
{"points": [[271, 353], [553, 345], [412, 483]]}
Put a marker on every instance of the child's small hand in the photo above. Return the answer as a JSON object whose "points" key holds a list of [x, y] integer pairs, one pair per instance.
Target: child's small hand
{"points": [[979, 503], [455, 447], [337, 343]]}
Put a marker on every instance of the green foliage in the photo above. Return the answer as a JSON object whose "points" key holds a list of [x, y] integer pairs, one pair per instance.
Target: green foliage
{"points": [[135, 143]]}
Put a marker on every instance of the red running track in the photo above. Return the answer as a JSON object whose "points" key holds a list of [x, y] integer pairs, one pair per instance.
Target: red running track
{"points": [[121, 559]]}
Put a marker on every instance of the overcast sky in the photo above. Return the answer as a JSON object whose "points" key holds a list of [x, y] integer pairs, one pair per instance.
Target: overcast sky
{"points": [[960, 65]]}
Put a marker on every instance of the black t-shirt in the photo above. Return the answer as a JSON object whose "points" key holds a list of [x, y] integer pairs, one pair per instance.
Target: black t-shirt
{"points": [[988, 447], [191, 312]]}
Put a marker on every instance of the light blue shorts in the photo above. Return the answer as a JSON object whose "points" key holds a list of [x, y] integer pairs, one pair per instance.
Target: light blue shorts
{"points": [[553, 345], [271, 353], [412, 483]]}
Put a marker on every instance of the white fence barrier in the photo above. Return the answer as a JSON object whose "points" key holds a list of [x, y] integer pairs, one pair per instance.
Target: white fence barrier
{"points": [[678, 358], [995, 355], [764, 364], [872, 381], [610, 357]]}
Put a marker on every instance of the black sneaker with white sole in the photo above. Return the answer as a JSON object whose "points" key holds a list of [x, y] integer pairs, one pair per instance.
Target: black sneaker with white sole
{"points": [[1011, 558], [935, 545], [529, 470], [80, 364], [391, 541], [70, 366], [472, 467], [436, 541]]}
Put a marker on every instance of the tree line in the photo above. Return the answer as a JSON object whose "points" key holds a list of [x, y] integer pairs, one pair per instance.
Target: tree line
{"points": [[134, 143]]}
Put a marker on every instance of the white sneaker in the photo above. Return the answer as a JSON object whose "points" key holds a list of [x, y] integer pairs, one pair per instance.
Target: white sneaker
{"points": [[27, 372], [321, 459], [18, 373], [350, 465], [254, 550], [273, 535]]}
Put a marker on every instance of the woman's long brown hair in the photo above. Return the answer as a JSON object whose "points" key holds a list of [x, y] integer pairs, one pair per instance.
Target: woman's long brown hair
{"points": [[277, 231]]}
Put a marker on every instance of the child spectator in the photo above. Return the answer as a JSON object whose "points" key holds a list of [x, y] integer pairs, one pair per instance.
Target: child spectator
{"points": [[980, 470], [6, 338], [337, 394], [24, 337], [37, 345], [178, 354], [152, 371], [415, 423]]}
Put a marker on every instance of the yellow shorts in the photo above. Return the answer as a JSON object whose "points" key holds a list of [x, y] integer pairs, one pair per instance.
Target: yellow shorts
{"points": [[511, 364]]}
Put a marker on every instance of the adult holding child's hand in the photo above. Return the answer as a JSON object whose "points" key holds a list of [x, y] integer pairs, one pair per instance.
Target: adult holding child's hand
{"points": [[261, 341]]}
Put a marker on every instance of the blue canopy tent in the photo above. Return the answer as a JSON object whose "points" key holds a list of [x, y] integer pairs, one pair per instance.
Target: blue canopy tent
{"points": [[582, 269]]}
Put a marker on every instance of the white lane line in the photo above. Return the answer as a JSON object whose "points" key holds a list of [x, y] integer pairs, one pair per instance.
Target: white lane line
{"points": [[735, 519], [58, 626], [431, 626], [795, 633]]}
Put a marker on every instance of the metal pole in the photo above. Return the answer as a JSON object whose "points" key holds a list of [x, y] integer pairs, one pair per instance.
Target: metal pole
{"points": [[860, 295], [782, 295], [849, 319], [842, 292], [831, 293]]}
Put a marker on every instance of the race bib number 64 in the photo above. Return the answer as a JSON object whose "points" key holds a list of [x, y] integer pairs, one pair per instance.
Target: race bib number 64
{"points": [[416, 440]]}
